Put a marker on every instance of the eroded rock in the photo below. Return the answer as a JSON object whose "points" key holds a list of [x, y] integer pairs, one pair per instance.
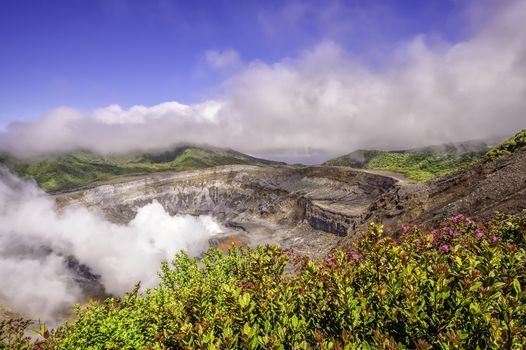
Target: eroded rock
{"points": [[295, 207]]}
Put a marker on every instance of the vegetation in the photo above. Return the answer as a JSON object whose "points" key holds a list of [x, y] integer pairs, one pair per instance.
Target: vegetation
{"points": [[426, 163], [419, 164], [458, 286], [82, 168], [515, 143]]}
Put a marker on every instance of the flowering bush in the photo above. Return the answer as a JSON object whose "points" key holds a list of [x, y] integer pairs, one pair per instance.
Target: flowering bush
{"points": [[458, 286]]}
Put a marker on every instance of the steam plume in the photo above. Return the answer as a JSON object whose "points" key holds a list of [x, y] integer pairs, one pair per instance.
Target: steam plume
{"points": [[36, 242]]}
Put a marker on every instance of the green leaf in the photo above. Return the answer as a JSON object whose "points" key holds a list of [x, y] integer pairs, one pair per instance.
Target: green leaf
{"points": [[294, 321], [516, 286], [247, 329], [474, 307]]}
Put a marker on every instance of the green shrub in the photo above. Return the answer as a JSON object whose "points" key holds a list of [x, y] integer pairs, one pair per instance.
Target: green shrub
{"points": [[458, 286], [513, 144], [12, 334]]}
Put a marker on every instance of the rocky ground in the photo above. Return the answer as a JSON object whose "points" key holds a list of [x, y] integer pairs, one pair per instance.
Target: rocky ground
{"points": [[312, 209], [308, 209], [491, 185]]}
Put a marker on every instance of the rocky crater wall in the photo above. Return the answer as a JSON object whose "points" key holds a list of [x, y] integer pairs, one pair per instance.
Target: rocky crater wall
{"points": [[328, 199], [478, 191]]}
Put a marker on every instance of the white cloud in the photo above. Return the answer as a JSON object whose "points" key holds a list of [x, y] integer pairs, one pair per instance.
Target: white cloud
{"points": [[220, 60], [36, 240], [323, 101]]}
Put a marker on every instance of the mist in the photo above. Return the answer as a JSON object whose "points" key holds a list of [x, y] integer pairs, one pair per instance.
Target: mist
{"points": [[36, 241], [324, 101]]}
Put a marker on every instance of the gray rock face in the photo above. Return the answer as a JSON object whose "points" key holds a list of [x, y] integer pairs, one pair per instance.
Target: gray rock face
{"points": [[479, 191], [304, 208]]}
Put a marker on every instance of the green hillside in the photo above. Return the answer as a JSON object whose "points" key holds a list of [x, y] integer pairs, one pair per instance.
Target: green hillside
{"points": [[79, 169], [515, 143], [418, 164]]}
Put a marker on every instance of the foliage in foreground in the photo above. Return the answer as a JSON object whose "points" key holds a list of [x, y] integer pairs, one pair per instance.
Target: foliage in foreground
{"points": [[461, 285], [74, 170]]}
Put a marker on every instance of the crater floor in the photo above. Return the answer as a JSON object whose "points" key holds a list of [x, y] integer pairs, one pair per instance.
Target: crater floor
{"points": [[308, 209]]}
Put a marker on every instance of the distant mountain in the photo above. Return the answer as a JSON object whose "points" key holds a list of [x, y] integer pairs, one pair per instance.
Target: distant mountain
{"points": [[419, 164], [73, 170], [495, 183]]}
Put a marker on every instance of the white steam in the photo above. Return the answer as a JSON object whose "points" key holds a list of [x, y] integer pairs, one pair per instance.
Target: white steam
{"points": [[323, 101], [36, 240]]}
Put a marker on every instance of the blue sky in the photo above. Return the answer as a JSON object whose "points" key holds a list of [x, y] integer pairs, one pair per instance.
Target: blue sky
{"points": [[91, 53], [295, 80]]}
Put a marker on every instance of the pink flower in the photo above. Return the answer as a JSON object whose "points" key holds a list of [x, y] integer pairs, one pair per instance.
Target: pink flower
{"points": [[405, 228], [444, 248], [494, 239], [329, 262], [479, 233], [458, 217]]}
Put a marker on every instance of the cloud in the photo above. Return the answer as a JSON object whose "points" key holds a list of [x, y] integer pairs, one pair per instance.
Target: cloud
{"points": [[37, 243], [220, 60], [310, 21], [325, 101]]}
